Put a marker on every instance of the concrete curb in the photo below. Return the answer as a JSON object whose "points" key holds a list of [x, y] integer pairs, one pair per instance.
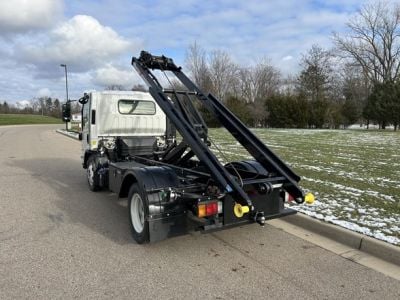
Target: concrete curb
{"points": [[377, 248], [70, 134]]}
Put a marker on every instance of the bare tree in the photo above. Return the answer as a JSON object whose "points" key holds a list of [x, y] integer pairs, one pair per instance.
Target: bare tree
{"points": [[246, 84], [259, 82], [196, 61], [115, 87], [224, 74], [42, 104], [289, 85], [34, 103], [139, 87], [356, 85], [373, 41], [266, 79], [215, 73]]}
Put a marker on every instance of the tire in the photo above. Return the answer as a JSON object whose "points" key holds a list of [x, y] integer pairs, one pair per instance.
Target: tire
{"points": [[138, 214], [93, 177]]}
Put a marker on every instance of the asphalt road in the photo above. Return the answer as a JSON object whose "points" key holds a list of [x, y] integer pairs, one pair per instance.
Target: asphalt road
{"points": [[59, 240]]}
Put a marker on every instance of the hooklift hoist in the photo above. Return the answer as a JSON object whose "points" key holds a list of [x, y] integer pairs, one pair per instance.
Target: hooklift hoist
{"points": [[175, 185]]}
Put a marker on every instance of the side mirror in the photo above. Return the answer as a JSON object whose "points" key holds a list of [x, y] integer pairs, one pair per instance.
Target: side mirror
{"points": [[84, 99], [66, 112]]}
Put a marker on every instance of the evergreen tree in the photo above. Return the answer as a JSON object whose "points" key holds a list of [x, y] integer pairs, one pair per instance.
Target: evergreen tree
{"points": [[5, 108]]}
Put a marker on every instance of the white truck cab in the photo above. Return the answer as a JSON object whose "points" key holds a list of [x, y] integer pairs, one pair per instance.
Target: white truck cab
{"points": [[131, 116]]}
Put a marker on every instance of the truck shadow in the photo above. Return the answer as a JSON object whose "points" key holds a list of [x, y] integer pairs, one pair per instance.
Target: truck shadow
{"points": [[101, 212]]}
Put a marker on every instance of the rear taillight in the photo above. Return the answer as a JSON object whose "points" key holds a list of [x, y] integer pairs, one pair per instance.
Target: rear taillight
{"points": [[207, 209], [288, 197]]}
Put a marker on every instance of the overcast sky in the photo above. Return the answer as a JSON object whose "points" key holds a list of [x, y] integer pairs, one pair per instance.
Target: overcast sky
{"points": [[97, 38]]}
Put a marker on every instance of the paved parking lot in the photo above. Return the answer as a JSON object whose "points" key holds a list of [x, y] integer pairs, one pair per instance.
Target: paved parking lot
{"points": [[59, 240]]}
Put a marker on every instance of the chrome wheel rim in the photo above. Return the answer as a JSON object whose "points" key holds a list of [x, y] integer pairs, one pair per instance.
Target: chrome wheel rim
{"points": [[137, 213], [90, 174]]}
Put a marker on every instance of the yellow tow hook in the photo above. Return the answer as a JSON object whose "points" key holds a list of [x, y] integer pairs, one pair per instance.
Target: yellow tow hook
{"points": [[239, 210], [309, 198]]}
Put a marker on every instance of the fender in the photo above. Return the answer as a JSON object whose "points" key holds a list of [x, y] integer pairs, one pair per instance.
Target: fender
{"points": [[149, 178]]}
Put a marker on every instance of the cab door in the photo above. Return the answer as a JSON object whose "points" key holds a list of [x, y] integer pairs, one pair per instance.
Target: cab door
{"points": [[86, 126]]}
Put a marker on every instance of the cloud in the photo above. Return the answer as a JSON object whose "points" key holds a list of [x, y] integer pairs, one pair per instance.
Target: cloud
{"points": [[246, 30], [96, 39], [82, 43], [23, 103], [111, 75], [43, 92], [18, 16], [288, 57]]}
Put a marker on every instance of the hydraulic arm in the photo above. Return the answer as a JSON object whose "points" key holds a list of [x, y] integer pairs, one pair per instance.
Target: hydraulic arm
{"points": [[179, 107]]}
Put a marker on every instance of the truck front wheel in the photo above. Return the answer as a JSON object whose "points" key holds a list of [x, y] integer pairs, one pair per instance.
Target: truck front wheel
{"points": [[138, 212], [92, 175]]}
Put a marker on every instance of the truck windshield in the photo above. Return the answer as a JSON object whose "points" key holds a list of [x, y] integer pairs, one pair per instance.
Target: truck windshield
{"points": [[136, 107]]}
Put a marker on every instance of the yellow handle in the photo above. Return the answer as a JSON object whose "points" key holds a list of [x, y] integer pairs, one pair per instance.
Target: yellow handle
{"points": [[240, 210], [309, 198]]}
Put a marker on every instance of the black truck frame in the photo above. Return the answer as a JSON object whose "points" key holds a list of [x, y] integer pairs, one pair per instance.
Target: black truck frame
{"points": [[185, 187]]}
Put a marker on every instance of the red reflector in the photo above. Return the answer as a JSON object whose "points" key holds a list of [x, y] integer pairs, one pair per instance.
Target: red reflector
{"points": [[211, 208], [288, 197]]}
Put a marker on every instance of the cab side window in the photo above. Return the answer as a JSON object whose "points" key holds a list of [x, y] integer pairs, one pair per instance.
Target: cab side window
{"points": [[85, 116], [136, 107]]}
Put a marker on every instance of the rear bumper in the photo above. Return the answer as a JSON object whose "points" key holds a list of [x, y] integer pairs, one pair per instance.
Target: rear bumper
{"points": [[170, 226], [179, 220], [246, 220]]}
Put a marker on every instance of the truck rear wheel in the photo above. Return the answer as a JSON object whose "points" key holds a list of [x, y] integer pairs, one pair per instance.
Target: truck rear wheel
{"points": [[93, 177], [138, 213]]}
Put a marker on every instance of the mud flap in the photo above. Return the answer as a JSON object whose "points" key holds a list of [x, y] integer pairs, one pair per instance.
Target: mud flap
{"points": [[161, 227]]}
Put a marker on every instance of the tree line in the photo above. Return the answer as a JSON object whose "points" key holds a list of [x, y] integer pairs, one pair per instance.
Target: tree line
{"points": [[356, 81], [45, 106]]}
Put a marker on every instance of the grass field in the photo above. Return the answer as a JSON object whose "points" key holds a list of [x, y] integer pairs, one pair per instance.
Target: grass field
{"points": [[355, 174], [17, 119]]}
